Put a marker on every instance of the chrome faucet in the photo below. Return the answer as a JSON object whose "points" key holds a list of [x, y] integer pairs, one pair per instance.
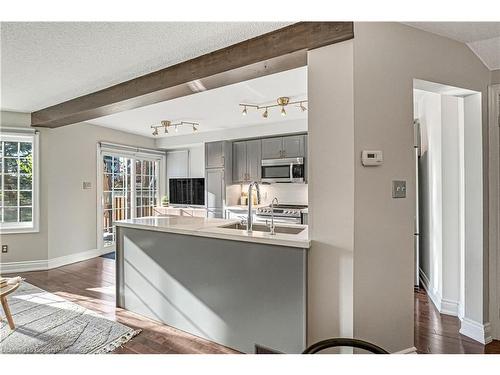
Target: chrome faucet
{"points": [[250, 215], [272, 215]]}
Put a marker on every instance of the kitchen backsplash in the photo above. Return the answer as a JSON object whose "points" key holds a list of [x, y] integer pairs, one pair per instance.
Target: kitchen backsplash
{"points": [[286, 193]]}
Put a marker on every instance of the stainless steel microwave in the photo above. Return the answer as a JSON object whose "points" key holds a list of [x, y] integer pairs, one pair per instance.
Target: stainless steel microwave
{"points": [[289, 170]]}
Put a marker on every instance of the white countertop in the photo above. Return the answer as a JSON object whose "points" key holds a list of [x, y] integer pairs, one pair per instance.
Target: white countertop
{"points": [[209, 227]]}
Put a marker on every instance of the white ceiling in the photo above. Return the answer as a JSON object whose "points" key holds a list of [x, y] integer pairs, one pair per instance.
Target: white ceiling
{"points": [[45, 63], [218, 109], [483, 38]]}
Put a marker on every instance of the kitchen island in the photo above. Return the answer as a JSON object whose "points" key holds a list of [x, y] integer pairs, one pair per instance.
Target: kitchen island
{"points": [[211, 278]]}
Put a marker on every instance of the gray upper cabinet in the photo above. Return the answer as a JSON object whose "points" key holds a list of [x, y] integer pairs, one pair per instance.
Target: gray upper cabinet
{"points": [[293, 146], [239, 161], [283, 147], [272, 148], [214, 154], [246, 160], [254, 158]]}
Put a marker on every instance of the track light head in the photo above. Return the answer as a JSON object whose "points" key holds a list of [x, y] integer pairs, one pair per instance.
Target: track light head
{"points": [[155, 131], [195, 129], [283, 112], [244, 113], [302, 107], [176, 128], [265, 114]]}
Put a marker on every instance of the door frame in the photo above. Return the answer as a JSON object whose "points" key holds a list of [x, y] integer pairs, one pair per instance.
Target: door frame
{"points": [[128, 152], [494, 207]]}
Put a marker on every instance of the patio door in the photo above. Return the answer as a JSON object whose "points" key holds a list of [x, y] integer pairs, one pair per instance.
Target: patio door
{"points": [[129, 186]]}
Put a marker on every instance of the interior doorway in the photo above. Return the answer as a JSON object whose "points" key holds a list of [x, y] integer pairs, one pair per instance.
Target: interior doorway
{"points": [[449, 223]]}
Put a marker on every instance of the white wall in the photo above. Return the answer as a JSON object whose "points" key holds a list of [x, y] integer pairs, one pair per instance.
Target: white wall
{"points": [[431, 192], [263, 130], [331, 191], [387, 57], [72, 211], [452, 167], [495, 76], [67, 212]]}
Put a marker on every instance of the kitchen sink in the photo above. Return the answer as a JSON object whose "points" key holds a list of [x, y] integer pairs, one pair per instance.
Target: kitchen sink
{"points": [[264, 228]]}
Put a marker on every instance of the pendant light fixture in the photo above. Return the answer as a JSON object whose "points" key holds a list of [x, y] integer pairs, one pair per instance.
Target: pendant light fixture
{"points": [[282, 101]]}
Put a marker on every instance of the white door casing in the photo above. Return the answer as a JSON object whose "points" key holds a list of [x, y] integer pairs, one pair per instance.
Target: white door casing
{"points": [[494, 207]]}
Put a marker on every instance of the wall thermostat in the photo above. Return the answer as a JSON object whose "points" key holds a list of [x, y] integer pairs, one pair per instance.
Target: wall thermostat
{"points": [[372, 158]]}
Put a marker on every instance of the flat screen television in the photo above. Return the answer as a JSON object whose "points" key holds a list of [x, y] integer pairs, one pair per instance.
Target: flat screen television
{"points": [[187, 191]]}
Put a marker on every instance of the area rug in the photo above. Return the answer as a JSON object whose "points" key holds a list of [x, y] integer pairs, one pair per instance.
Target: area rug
{"points": [[48, 324]]}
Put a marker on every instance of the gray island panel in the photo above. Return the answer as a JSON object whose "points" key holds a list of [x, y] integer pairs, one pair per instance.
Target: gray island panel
{"points": [[235, 293]]}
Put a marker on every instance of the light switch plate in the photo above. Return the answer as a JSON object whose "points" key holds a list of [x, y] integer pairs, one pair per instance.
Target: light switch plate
{"points": [[86, 185], [399, 189]]}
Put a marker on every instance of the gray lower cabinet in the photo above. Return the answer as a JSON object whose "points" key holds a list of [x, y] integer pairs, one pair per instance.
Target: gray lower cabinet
{"points": [[247, 156], [214, 154], [238, 294], [215, 192], [292, 146]]}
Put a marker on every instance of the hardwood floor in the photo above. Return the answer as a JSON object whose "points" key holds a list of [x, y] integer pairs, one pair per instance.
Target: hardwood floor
{"points": [[439, 334], [91, 285]]}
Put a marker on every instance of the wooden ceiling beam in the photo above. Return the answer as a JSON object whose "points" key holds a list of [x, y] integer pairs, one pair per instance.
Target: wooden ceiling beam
{"points": [[270, 53]]}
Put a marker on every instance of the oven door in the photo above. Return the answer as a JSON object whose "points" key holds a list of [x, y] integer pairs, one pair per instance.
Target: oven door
{"points": [[282, 170]]}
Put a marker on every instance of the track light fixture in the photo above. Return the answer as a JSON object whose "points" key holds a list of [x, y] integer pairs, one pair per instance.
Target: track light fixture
{"points": [[282, 102], [165, 124]]}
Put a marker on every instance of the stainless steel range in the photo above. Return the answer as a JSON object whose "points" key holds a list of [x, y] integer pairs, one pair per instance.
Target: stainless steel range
{"points": [[283, 213]]}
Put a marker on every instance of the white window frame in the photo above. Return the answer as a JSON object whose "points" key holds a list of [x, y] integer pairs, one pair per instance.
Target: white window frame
{"points": [[20, 135], [110, 149]]}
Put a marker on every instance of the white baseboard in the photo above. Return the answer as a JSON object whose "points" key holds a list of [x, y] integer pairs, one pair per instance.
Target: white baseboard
{"points": [[433, 294], [476, 331], [449, 307], [73, 258], [411, 350], [43, 265], [443, 305], [27, 266]]}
